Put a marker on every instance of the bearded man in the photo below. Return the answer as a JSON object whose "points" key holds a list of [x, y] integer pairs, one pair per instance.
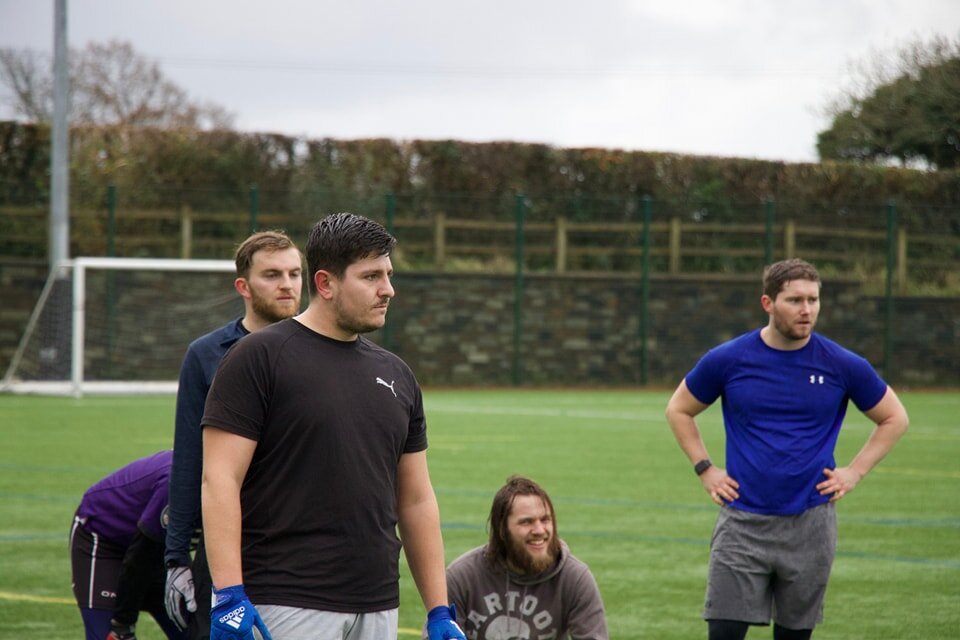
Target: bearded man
{"points": [[524, 583], [784, 391]]}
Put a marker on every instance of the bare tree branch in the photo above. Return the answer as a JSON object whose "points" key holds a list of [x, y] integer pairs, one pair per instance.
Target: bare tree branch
{"points": [[110, 84]]}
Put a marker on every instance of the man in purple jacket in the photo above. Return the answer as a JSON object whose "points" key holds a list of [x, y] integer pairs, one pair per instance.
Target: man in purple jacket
{"points": [[116, 550]]}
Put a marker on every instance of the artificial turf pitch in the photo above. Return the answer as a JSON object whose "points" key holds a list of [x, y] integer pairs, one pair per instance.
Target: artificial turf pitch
{"points": [[627, 504]]}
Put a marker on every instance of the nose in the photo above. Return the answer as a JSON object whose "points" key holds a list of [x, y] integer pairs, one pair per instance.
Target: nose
{"points": [[386, 291]]}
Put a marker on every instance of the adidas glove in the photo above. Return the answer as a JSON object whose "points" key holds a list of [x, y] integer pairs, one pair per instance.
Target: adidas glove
{"points": [[179, 595], [442, 624], [121, 631], [233, 616]]}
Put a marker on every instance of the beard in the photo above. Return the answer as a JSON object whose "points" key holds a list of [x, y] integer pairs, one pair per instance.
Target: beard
{"points": [[352, 322], [521, 560], [790, 332], [271, 311]]}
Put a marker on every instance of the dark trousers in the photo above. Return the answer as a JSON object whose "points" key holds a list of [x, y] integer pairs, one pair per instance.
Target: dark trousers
{"points": [[199, 627]]}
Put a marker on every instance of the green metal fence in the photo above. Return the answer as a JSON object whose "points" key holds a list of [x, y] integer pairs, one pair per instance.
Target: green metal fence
{"points": [[892, 248]]}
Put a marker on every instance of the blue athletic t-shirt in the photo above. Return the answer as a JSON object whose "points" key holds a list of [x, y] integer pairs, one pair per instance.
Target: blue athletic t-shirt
{"points": [[782, 411]]}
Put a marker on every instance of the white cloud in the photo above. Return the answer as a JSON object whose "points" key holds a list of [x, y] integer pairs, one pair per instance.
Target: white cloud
{"points": [[737, 78]]}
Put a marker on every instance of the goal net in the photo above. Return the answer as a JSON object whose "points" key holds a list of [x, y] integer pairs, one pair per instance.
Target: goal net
{"points": [[120, 325]]}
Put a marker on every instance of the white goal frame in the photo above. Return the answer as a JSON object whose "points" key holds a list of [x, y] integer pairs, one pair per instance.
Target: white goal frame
{"points": [[76, 385]]}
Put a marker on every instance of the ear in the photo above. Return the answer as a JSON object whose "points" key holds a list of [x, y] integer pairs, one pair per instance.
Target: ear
{"points": [[325, 283], [767, 303], [242, 287]]}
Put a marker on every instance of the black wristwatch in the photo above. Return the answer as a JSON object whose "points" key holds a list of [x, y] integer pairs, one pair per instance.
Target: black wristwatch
{"points": [[702, 466]]}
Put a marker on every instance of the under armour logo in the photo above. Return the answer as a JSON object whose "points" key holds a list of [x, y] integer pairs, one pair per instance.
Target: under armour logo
{"points": [[388, 386], [816, 379]]}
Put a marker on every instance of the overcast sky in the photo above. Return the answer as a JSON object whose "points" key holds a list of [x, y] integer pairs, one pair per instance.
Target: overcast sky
{"points": [[744, 78]]}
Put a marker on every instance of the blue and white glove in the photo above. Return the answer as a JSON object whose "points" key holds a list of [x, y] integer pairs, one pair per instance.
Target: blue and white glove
{"points": [[179, 595], [442, 624], [233, 617]]}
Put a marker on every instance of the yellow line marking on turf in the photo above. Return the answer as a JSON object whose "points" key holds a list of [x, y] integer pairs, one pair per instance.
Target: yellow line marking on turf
{"points": [[921, 473], [24, 597], [409, 632]]}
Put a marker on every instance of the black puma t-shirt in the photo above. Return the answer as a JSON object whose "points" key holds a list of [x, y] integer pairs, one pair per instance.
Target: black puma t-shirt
{"points": [[319, 501]]}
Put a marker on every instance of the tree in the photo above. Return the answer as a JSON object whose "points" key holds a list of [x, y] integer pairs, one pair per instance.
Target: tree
{"points": [[905, 109], [111, 84]]}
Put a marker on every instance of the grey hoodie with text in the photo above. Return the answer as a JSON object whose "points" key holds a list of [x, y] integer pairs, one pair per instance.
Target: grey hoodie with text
{"points": [[561, 603]]}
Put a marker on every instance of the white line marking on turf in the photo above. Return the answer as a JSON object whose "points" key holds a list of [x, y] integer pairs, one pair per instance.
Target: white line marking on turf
{"points": [[632, 416]]}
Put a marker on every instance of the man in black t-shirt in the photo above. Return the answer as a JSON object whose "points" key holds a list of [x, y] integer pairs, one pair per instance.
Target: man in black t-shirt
{"points": [[314, 455]]}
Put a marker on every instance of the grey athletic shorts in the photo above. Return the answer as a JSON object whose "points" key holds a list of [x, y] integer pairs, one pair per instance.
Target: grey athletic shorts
{"points": [[764, 567], [293, 623]]}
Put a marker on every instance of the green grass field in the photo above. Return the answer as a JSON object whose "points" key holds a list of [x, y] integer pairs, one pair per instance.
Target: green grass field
{"points": [[627, 503]]}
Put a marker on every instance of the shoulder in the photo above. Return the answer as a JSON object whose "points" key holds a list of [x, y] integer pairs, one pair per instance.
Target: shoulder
{"points": [[471, 561], [839, 355], [576, 580], [272, 335], [218, 339], [382, 355], [860, 378], [825, 344], [733, 348], [571, 564]]}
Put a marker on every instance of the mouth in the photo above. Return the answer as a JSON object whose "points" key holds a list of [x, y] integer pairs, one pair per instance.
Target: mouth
{"points": [[538, 545]]}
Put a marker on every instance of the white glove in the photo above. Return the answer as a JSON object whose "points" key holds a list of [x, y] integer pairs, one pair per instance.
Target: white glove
{"points": [[179, 591]]}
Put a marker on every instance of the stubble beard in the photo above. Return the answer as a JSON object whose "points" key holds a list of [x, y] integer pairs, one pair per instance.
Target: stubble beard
{"points": [[791, 333], [350, 323]]}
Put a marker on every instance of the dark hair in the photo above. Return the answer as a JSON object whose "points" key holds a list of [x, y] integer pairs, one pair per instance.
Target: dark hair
{"points": [[340, 239], [778, 274], [270, 240], [497, 524]]}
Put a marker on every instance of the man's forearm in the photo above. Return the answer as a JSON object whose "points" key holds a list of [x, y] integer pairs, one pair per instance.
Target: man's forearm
{"points": [[222, 531], [891, 419], [184, 507], [878, 445], [687, 434], [423, 545]]}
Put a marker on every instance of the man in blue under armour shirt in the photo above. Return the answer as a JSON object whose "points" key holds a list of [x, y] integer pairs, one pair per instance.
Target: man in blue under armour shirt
{"points": [[784, 392]]}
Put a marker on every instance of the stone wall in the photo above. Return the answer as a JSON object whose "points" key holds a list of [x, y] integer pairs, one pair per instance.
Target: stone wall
{"points": [[458, 329]]}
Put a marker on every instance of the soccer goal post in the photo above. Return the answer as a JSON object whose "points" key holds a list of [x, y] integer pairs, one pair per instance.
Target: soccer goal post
{"points": [[119, 325]]}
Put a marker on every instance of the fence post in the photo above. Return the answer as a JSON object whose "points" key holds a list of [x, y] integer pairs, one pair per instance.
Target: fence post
{"points": [[439, 240], [674, 245], [901, 261], [519, 211], [768, 233], [111, 220], [186, 231], [254, 206], [645, 290], [888, 315], [790, 239], [561, 264], [111, 274]]}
